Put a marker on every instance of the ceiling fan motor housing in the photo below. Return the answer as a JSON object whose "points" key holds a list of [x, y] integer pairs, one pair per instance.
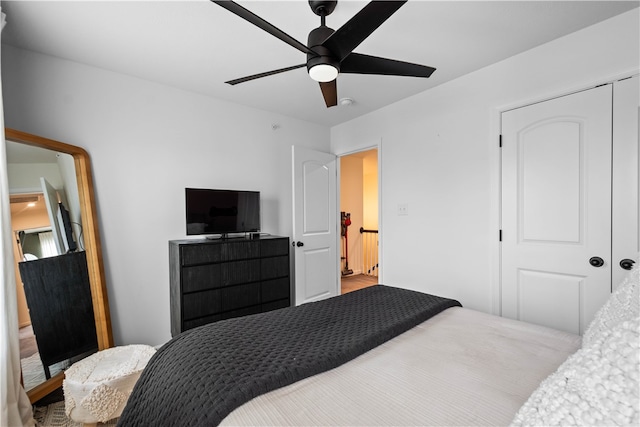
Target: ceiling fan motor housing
{"points": [[323, 7], [316, 37]]}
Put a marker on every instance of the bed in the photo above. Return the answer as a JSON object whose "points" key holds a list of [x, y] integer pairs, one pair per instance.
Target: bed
{"points": [[437, 364]]}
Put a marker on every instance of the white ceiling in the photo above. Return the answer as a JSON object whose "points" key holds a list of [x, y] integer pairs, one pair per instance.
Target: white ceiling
{"points": [[197, 45], [22, 153]]}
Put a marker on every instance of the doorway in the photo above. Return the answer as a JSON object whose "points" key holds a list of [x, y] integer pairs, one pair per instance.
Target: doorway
{"points": [[359, 247], [560, 246]]}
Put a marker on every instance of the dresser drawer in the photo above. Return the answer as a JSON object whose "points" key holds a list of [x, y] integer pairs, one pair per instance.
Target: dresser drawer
{"points": [[275, 289], [242, 249], [215, 301], [274, 247], [240, 272], [275, 305], [194, 323], [274, 267], [201, 253], [201, 277]]}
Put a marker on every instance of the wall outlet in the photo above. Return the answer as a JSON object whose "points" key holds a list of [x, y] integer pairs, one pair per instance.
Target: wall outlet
{"points": [[403, 209]]}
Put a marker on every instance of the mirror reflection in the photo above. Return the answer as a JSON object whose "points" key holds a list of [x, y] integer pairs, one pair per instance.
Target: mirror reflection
{"points": [[55, 309]]}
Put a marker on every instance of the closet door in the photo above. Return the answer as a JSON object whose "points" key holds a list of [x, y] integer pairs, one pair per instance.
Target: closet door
{"points": [[626, 238], [556, 210]]}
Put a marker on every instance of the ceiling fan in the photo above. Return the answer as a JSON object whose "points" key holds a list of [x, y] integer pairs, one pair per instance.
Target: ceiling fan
{"points": [[330, 52]]}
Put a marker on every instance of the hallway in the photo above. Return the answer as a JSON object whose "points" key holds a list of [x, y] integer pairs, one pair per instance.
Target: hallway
{"points": [[357, 281]]}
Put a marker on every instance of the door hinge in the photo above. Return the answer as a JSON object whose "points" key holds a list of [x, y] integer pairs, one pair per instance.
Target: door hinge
{"points": [[500, 141], [500, 236]]}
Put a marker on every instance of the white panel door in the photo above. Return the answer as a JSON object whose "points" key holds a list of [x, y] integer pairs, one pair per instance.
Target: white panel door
{"points": [[556, 210], [315, 225], [626, 233], [51, 201]]}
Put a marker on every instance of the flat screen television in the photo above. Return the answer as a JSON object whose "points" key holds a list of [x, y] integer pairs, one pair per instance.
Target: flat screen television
{"points": [[211, 211]]}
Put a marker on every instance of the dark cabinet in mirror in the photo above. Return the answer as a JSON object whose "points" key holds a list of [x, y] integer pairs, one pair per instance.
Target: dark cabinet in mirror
{"points": [[60, 287]]}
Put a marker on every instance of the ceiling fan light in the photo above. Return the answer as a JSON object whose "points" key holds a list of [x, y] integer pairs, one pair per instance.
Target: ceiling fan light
{"points": [[323, 73]]}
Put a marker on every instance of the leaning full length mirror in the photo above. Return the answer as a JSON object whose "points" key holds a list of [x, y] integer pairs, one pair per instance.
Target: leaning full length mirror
{"points": [[63, 312]]}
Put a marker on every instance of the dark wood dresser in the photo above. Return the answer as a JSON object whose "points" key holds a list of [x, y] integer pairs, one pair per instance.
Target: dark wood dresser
{"points": [[212, 280], [58, 294]]}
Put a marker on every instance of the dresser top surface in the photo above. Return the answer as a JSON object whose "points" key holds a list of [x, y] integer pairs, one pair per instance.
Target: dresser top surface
{"points": [[218, 240]]}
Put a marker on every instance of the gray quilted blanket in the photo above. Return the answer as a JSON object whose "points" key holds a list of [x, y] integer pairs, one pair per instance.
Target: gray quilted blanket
{"points": [[200, 376]]}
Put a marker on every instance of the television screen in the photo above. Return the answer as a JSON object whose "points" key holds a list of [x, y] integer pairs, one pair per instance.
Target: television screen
{"points": [[65, 225], [222, 211]]}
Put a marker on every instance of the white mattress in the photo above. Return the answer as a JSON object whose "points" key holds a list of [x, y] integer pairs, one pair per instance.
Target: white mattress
{"points": [[461, 367]]}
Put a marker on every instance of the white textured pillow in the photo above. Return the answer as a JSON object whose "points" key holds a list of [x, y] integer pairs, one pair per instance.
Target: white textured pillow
{"points": [[598, 385], [623, 304]]}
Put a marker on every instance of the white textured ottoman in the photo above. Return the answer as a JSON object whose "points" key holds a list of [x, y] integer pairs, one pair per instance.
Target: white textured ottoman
{"points": [[96, 388]]}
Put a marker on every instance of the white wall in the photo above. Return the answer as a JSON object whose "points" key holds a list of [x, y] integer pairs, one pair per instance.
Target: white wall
{"points": [[25, 177], [440, 155], [148, 142], [67, 166]]}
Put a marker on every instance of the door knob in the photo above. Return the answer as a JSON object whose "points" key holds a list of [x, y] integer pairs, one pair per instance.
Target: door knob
{"points": [[596, 261], [298, 244], [627, 264]]}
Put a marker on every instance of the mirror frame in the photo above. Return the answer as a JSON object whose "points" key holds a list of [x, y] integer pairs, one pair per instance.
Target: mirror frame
{"points": [[92, 245]]}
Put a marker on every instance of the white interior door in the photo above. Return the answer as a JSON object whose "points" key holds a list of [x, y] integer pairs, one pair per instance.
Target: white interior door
{"points": [[315, 225], [626, 233], [556, 210], [51, 201]]}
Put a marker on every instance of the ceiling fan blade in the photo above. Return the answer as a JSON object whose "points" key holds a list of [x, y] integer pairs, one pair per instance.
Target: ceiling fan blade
{"points": [[268, 73], [330, 93], [262, 24], [342, 42], [357, 63]]}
